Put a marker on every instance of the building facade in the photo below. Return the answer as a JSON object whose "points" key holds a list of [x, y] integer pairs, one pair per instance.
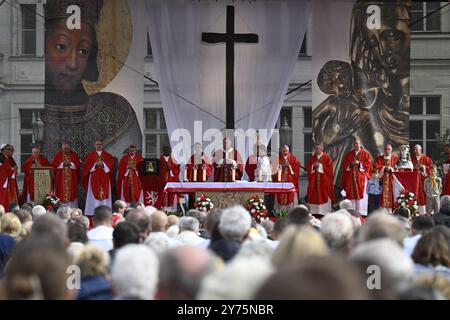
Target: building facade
{"points": [[22, 83]]}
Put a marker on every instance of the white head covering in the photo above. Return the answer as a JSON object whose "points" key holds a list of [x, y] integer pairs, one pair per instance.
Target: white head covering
{"points": [[2, 146]]}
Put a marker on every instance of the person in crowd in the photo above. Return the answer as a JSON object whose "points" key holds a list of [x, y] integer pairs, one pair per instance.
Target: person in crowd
{"points": [[432, 252], [201, 217], [299, 216], [23, 215], [38, 211], [124, 233], [93, 262], [27, 207], [182, 270], [337, 229], [443, 216], [159, 225], [173, 230], [13, 207], [238, 280], [50, 225], [2, 210], [268, 227], [234, 226], [419, 226], [37, 270], [315, 278], [10, 225], [135, 272], [278, 229], [7, 244], [76, 213], [64, 212], [382, 225], [67, 171], [189, 229], [139, 218], [77, 234], [85, 220], [98, 171], [296, 243], [101, 234], [433, 189], [118, 209]]}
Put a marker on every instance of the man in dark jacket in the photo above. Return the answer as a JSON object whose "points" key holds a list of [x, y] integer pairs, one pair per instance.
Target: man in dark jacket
{"points": [[443, 216]]}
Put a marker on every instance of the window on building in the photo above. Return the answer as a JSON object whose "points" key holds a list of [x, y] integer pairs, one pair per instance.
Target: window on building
{"points": [[149, 47], [303, 52], [28, 12], [27, 117], [156, 136], [419, 21], [425, 124]]}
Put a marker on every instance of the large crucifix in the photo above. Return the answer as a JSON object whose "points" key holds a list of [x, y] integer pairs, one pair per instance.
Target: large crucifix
{"points": [[229, 38]]}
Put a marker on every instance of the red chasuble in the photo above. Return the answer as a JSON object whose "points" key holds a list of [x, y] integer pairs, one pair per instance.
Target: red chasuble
{"points": [[446, 182], [320, 185], [199, 164], [165, 168], [384, 166], [353, 179], [222, 170], [5, 172], [417, 163], [28, 182], [13, 190], [100, 180], [290, 173], [250, 166], [66, 178], [130, 183]]}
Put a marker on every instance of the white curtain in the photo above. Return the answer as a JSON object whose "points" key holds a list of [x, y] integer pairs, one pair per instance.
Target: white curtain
{"points": [[191, 73]]}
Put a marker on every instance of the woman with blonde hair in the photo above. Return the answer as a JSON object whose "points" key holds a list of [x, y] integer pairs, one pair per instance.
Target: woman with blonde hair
{"points": [[10, 225], [297, 243]]}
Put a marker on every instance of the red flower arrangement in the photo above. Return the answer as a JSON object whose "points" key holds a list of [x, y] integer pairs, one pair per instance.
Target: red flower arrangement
{"points": [[50, 201], [408, 200], [257, 208], [203, 203]]}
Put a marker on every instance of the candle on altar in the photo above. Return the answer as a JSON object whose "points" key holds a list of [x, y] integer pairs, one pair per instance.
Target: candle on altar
{"points": [[260, 175], [279, 174], [195, 174], [203, 174], [185, 174], [233, 174]]}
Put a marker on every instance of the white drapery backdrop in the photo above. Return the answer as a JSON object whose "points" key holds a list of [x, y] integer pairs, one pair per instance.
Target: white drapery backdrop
{"points": [[191, 74]]}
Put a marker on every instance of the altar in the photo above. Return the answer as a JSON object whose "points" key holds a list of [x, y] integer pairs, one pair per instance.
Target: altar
{"points": [[226, 194]]}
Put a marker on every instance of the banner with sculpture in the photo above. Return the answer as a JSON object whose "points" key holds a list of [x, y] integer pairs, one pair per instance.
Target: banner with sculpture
{"points": [[360, 72], [92, 91]]}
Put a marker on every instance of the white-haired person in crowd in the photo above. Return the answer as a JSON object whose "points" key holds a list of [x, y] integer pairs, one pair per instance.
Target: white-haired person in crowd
{"points": [[234, 226], [189, 228], [135, 272], [101, 234], [64, 213], [238, 280], [337, 229], [182, 270], [173, 230]]}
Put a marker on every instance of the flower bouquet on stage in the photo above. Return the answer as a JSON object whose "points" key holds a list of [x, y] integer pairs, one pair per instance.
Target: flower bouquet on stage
{"points": [[51, 201], [407, 200], [203, 203], [257, 209]]}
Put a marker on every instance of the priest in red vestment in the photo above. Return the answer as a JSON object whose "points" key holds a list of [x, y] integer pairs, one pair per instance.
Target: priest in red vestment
{"points": [[252, 164], [385, 165], [421, 164], [98, 178], [5, 172], [67, 172], [36, 160], [288, 171], [199, 168], [7, 151], [320, 181], [129, 187], [226, 161], [169, 172], [357, 170], [446, 170]]}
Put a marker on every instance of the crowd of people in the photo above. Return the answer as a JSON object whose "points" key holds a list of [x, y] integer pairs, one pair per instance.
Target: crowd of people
{"points": [[137, 252]]}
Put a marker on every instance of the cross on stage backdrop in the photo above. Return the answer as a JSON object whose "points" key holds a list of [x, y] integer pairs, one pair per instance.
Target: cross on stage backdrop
{"points": [[360, 73], [225, 63], [92, 90]]}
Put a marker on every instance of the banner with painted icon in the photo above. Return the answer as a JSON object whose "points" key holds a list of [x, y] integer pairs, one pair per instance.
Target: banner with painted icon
{"points": [[361, 74], [92, 91]]}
